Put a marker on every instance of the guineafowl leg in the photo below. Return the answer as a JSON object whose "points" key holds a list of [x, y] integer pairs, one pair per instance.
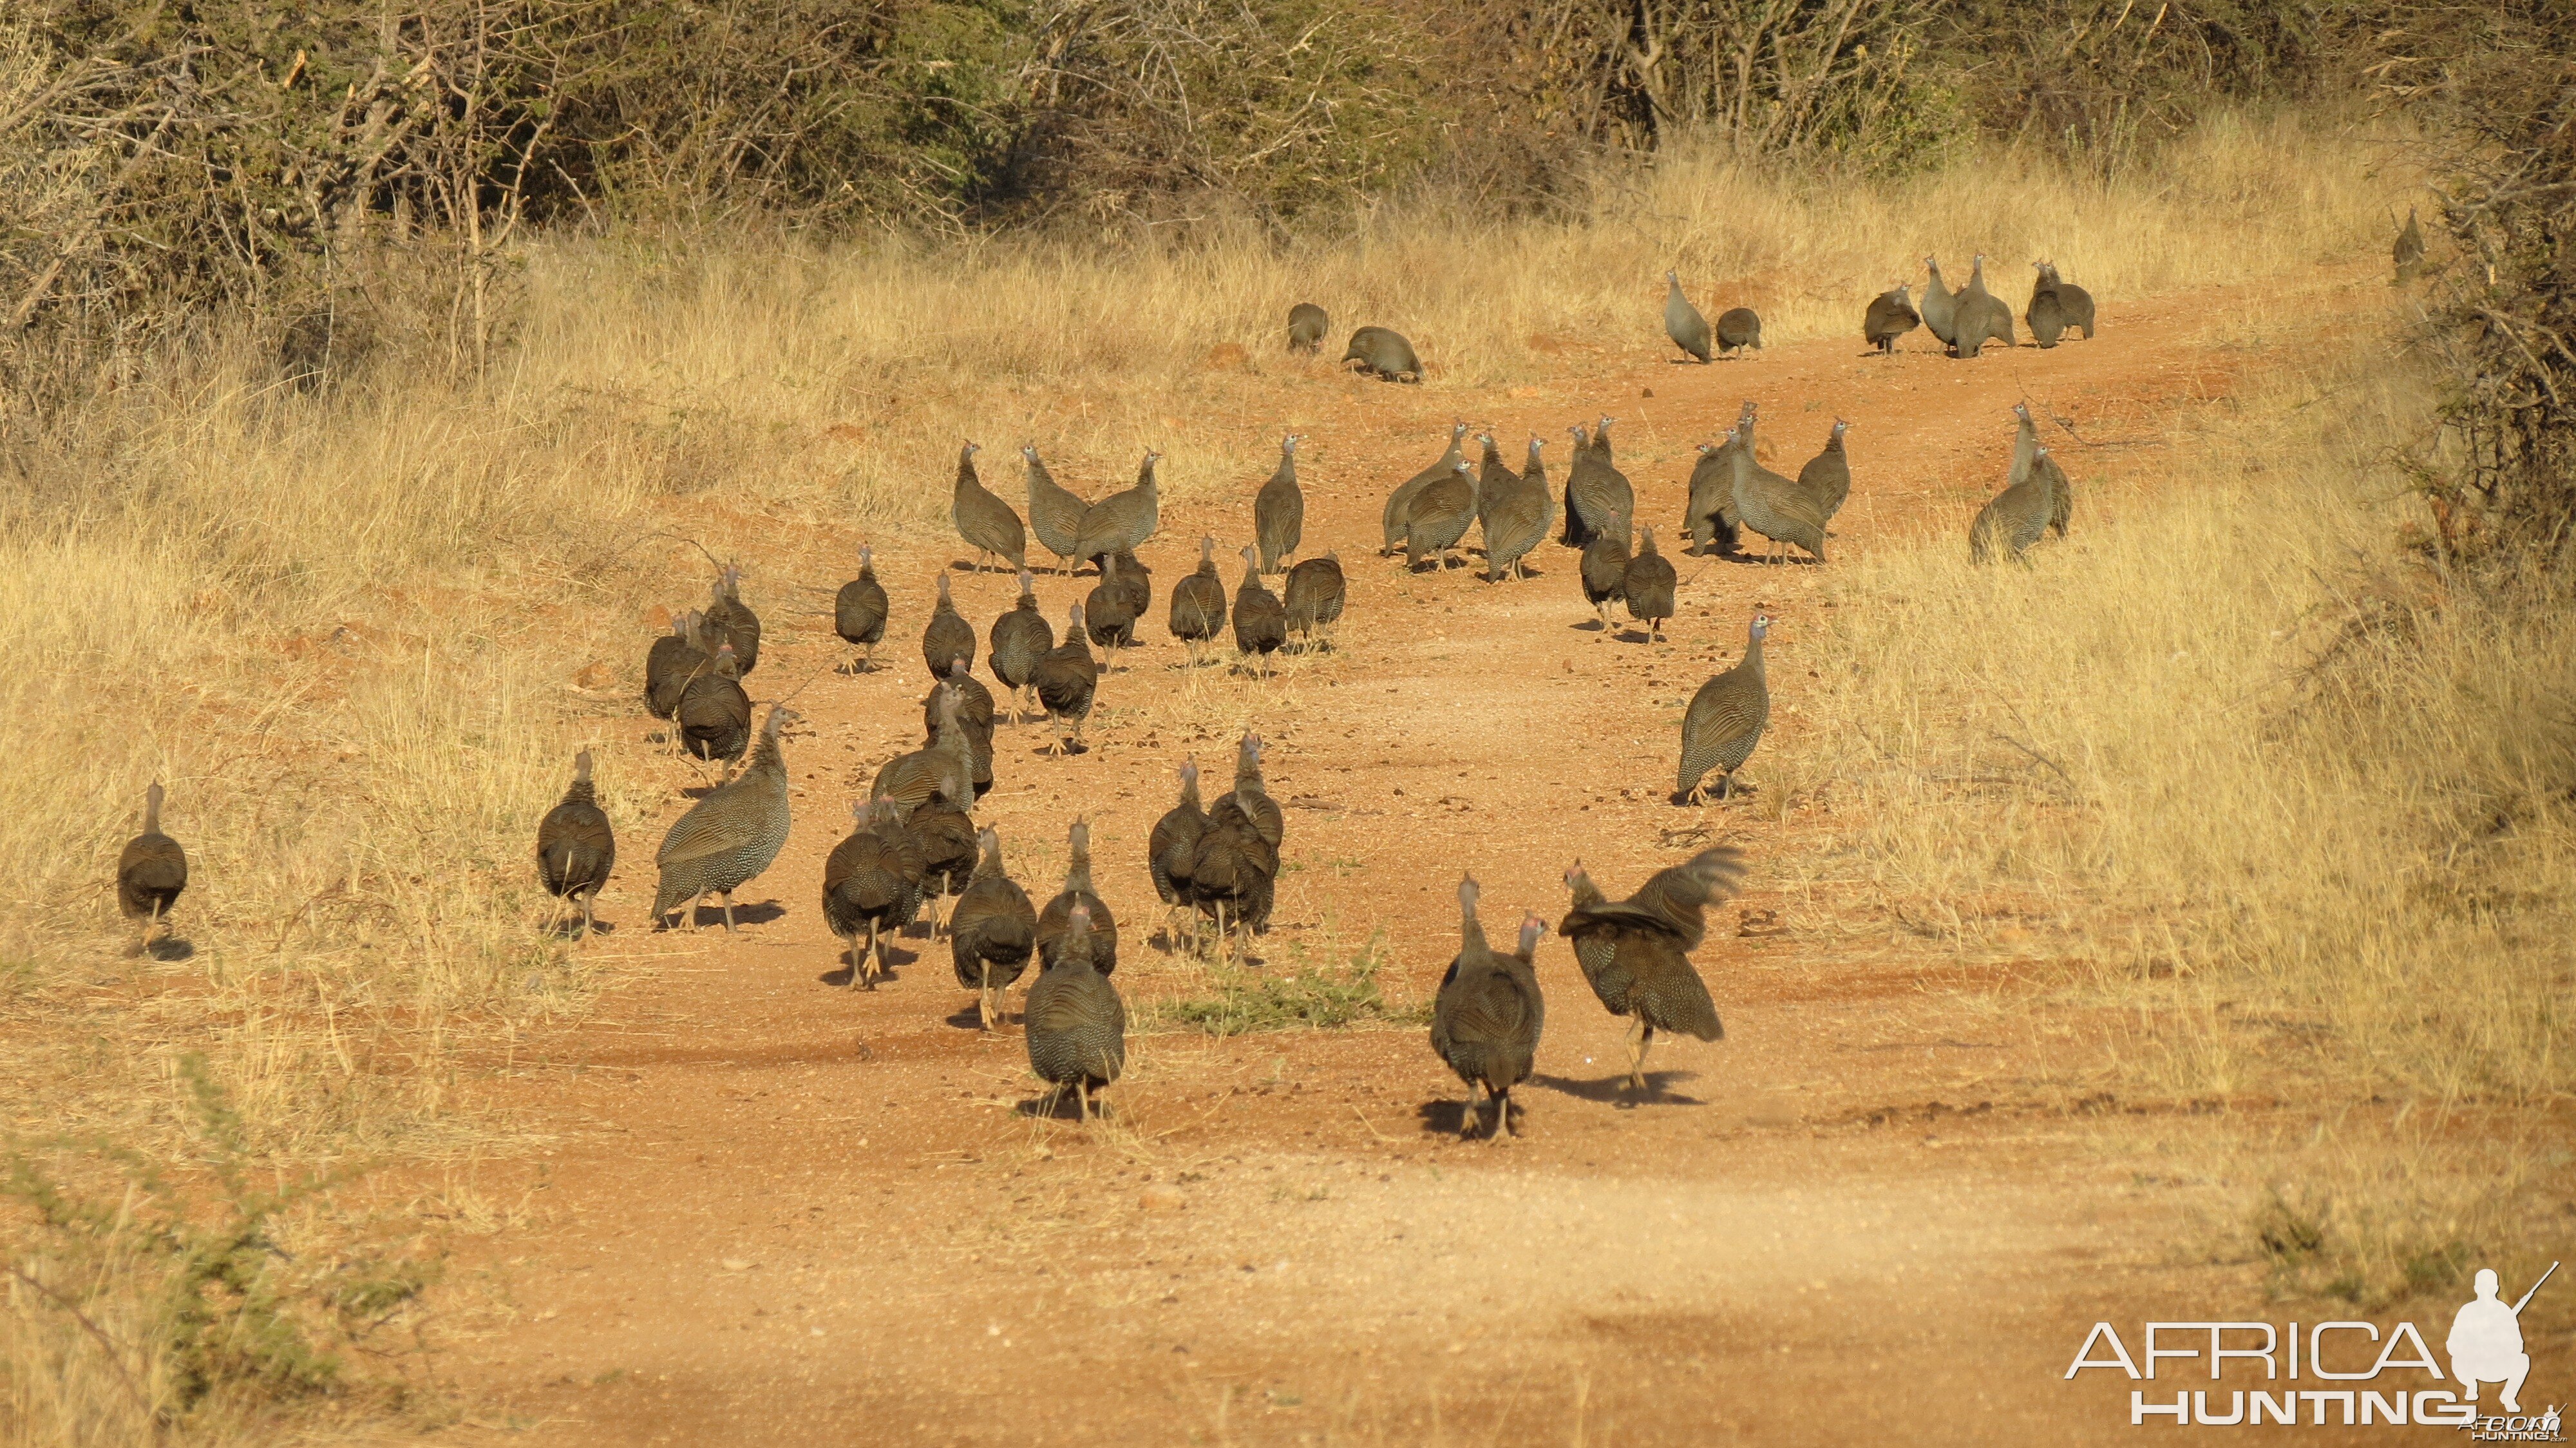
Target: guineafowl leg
{"points": [[1467, 1115], [727, 897], [1637, 1054], [587, 921], [1502, 1116], [863, 958], [1645, 1043], [984, 997]]}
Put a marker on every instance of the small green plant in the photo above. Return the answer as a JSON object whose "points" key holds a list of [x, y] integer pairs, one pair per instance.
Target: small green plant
{"points": [[1303, 995], [237, 1297]]}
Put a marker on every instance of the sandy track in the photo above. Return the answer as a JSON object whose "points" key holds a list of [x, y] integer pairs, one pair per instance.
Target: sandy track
{"points": [[780, 1211]]}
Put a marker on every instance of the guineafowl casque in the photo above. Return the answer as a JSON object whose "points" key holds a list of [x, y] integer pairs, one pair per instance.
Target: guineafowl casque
{"points": [[1170, 849], [730, 620], [992, 932], [872, 884], [1383, 354], [1279, 511], [1065, 680], [575, 847], [945, 768], [1439, 517], [1649, 585], [1725, 720], [1605, 570], [1891, 315], [1940, 304], [729, 837], [1055, 512], [1773, 506], [975, 714], [1260, 619], [1399, 504], [1635, 953], [1518, 515], [947, 636], [1313, 598], [1486, 1020], [859, 612], [1121, 522], [1198, 603], [1019, 639], [1596, 492], [1978, 316], [1055, 919], [1682, 321], [946, 839], [152, 870], [2406, 255], [672, 662], [1307, 324], [1109, 614], [1827, 476], [1077, 1026], [2067, 306], [714, 713], [984, 522], [1739, 328]]}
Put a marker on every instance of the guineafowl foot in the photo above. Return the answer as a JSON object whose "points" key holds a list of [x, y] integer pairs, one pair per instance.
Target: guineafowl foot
{"points": [[1467, 1115], [727, 897]]}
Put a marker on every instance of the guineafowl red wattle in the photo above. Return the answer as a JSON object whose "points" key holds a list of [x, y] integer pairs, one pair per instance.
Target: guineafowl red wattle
{"points": [[1487, 1018], [992, 932], [151, 870], [575, 846], [729, 837], [1077, 1025]]}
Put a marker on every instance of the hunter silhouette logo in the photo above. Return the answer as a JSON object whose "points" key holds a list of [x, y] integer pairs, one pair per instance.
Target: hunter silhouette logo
{"points": [[2486, 1341]]}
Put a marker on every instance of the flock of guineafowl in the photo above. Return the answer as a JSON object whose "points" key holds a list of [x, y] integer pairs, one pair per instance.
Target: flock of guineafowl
{"points": [[914, 843]]}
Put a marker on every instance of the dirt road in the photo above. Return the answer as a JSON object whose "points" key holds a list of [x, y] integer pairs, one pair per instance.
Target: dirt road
{"points": [[779, 1211]]}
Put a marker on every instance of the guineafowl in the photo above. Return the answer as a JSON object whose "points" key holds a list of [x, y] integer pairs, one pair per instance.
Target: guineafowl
{"points": [[671, 663], [1709, 515], [1198, 603], [1636, 953], [1121, 522], [1019, 639], [1065, 680], [152, 869], [1595, 490], [1978, 316], [1055, 512], [1891, 315], [1773, 506], [1739, 328], [730, 836], [992, 932], [1518, 515], [1135, 583], [1399, 504], [1486, 1020], [946, 839], [2067, 305], [1827, 476], [947, 636], [1605, 570], [1109, 614], [1940, 304], [1682, 321], [1648, 587], [1077, 1026], [2019, 516], [714, 713], [1234, 869], [859, 612], [1077, 893], [730, 620], [1384, 355], [872, 885], [1279, 511], [1313, 598], [983, 520], [2029, 456], [1260, 620], [1725, 720], [2407, 255], [1172, 846], [944, 768], [1307, 324], [1250, 799], [1439, 517], [575, 847], [1493, 477], [975, 715]]}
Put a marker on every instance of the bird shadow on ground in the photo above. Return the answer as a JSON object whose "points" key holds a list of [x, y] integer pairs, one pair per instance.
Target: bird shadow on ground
{"points": [[962, 565], [968, 1018], [1590, 625], [167, 948], [1681, 797], [1051, 1106], [1444, 1116], [705, 916], [569, 928], [1612, 1090], [1049, 751]]}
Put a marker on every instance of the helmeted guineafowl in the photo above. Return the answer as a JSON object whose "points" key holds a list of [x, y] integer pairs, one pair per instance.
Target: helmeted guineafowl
{"points": [[1440, 516], [1233, 870], [944, 768], [2057, 306], [730, 620], [1065, 680], [992, 932], [1019, 639], [1279, 510], [714, 714], [1055, 919], [1978, 316], [1940, 304], [1307, 324], [946, 839], [1827, 476], [1486, 1020], [1773, 506], [1635, 953], [1596, 492], [1077, 1026], [1383, 354], [575, 846], [1891, 315], [1172, 846], [1518, 515], [2019, 516], [1312, 600], [151, 870], [1604, 571], [984, 521], [1725, 720], [1109, 614], [1198, 603], [1055, 512], [1399, 504], [2406, 255], [729, 837], [975, 714], [872, 885], [2029, 456], [1682, 321], [1260, 620], [1121, 522], [1739, 328], [672, 662], [947, 636], [859, 612], [1709, 514], [1649, 585]]}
